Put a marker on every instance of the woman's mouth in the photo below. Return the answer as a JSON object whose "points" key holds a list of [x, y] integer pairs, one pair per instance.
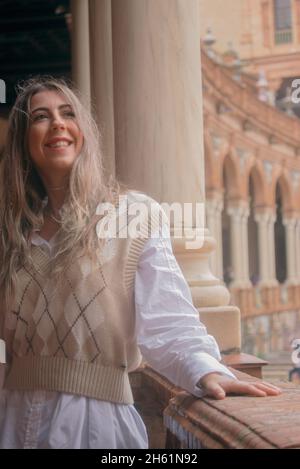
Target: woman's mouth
{"points": [[59, 144]]}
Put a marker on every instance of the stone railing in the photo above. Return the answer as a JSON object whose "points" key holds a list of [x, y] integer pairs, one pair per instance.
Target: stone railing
{"points": [[266, 300], [284, 37], [241, 101], [237, 422], [153, 394]]}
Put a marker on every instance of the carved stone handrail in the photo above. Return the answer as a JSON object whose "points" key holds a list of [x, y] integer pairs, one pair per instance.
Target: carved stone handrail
{"points": [[237, 422], [153, 394], [247, 106], [266, 300]]}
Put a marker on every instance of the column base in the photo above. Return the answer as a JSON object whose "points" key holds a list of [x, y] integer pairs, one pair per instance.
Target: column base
{"points": [[268, 283], [241, 285], [292, 282], [246, 363], [224, 324], [207, 290]]}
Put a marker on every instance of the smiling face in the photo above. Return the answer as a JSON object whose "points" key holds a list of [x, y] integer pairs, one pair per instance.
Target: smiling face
{"points": [[54, 138]]}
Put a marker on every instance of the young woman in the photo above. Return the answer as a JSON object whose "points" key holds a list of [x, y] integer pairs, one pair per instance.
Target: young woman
{"points": [[77, 307]]}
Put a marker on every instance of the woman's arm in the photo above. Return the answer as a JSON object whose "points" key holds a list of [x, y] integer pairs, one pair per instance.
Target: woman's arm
{"points": [[170, 335]]}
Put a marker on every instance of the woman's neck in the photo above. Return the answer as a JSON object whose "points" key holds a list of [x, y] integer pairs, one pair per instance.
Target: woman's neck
{"points": [[56, 200], [56, 191]]}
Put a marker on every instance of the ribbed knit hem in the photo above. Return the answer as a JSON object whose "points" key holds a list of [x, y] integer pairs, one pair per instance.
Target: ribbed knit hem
{"points": [[61, 374]]}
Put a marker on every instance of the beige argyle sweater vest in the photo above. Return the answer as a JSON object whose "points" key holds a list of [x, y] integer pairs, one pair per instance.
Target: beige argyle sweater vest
{"points": [[79, 337]]}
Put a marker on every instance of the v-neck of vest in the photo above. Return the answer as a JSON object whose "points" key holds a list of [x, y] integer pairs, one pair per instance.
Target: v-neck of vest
{"points": [[40, 257]]}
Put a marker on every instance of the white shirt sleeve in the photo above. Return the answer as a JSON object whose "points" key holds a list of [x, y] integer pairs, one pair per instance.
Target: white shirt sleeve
{"points": [[169, 333]]}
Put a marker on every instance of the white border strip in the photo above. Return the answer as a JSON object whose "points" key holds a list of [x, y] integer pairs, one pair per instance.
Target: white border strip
{"points": [[2, 351]]}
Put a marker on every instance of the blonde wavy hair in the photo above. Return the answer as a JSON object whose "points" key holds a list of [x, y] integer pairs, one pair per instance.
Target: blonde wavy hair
{"points": [[22, 192]]}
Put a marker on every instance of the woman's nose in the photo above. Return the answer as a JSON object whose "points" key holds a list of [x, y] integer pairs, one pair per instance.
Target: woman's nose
{"points": [[58, 123]]}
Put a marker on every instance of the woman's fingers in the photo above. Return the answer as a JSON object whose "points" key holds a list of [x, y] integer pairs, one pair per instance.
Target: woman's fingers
{"points": [[217, 386], [215, 390], [268, 388], [270, 385], [242, 387]]}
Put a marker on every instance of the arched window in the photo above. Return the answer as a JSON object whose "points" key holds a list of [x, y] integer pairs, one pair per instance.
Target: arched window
{"points": [[283, 21]]}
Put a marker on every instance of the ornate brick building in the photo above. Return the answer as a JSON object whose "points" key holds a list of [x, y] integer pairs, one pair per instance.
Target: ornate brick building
{"points": [[264, 33], [252, 165]]}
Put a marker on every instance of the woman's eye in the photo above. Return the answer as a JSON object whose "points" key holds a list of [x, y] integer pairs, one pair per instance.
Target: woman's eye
{"points": [[66, 115], [39, 117], [69, 114]]}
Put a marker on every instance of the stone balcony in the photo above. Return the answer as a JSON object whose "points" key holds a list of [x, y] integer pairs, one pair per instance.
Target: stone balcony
{"points": [[245, 106]]}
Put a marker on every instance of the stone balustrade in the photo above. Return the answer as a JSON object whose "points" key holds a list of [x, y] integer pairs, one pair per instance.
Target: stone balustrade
{"points": [[237, 422], [153, 394]]}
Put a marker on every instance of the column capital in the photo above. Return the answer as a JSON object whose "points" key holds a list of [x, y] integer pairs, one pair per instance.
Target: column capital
{"points": [[214, 204], [265, 216], [290, 222], [239, 211]]}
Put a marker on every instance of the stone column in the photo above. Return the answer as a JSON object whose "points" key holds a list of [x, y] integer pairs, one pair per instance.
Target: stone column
{"points": [[102, 77], [291, 250], [271, 246], [262, 222], [245, 247], [266, 246], [214, 208], [81, 47], [239, 244], [158, 137]]}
